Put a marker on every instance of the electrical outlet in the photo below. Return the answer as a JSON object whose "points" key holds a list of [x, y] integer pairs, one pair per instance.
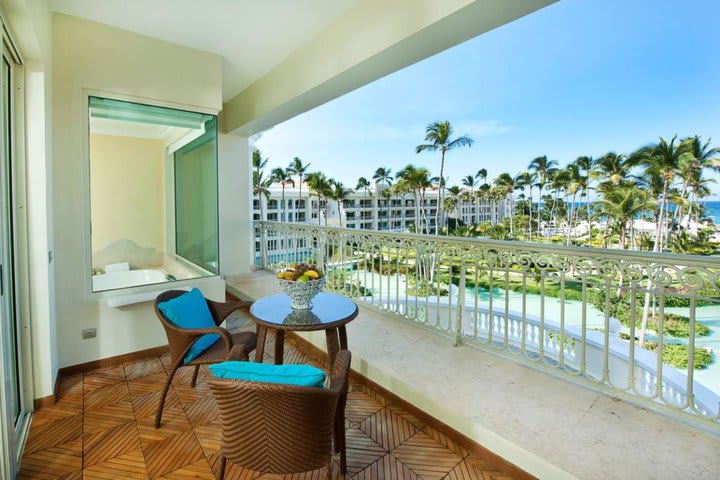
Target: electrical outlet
{"points": [[89, 333]]}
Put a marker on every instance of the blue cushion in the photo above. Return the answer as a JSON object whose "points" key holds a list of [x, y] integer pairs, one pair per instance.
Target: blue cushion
{"points": [[303, 375], [190, 310]]}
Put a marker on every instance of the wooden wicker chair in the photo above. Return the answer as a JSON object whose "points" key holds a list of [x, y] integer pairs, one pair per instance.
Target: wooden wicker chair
{"points": [[230, 347], [282, 429]]}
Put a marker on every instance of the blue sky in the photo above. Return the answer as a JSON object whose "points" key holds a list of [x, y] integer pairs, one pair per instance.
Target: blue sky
{"points": [[579, 77]]}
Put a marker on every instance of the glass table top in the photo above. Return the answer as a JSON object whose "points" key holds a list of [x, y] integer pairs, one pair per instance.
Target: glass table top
{"points": [[327, 309]]}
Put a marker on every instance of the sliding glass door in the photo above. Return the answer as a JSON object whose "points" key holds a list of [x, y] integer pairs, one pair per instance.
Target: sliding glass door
{"points": [[196, 201], [14, 411]]}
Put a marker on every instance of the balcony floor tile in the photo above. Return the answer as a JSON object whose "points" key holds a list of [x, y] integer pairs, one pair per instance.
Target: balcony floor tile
{"points": [[114, 435]]}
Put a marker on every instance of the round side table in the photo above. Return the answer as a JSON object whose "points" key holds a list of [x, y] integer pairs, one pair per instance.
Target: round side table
{"points": [[329, 312]]}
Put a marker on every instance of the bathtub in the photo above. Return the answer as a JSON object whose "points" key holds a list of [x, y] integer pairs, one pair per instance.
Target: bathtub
{"points": [[126, 279]]}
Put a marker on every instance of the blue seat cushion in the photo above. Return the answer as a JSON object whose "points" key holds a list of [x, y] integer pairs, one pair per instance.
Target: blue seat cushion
{"points": [[190, 310], [303, 375]]}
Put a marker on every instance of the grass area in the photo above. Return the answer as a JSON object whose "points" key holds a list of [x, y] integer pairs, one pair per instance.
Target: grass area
{"points": [[678, 355]]}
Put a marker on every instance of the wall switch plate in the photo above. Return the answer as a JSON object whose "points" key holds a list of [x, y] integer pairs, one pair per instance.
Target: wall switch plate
{"points": [[89, 333]]}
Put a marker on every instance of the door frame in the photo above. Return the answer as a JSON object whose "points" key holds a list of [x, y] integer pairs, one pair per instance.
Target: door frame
{"points": [[13, 437]]}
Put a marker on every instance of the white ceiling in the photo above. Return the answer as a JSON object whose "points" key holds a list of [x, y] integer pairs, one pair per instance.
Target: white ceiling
{"points": [[251, 35]]}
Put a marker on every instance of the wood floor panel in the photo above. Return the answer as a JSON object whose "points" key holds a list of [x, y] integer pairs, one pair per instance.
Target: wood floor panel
{"points": [[425, 456], [103, 428], [129, 465], [54, 433], [53, 462], [172, 453], [107, 444]]}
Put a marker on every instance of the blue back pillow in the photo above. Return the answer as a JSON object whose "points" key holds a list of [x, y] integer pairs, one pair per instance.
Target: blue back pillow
{"points": [[303, 375], [190, 310]]}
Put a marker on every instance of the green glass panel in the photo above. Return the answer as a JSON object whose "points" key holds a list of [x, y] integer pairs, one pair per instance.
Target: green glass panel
{"points": [[196, 208], [136, 112]]}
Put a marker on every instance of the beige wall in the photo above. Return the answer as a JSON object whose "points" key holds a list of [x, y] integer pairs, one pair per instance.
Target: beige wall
{"points": [[30, 23], [127, 191], [91, 56]]}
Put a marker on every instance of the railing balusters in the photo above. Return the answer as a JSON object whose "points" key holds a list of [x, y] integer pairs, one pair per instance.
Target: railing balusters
{"points": [[689, 395], [543, 319]]}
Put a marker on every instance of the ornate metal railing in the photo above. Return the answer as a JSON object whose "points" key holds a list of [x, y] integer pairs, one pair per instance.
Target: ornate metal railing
{"points": [[568, 310]]}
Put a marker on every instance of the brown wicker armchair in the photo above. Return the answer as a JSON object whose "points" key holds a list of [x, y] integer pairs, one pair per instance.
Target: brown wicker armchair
{"points": [[235, 346], [282, 429]]}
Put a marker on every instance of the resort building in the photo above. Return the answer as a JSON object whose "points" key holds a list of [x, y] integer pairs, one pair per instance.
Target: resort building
{"points": [[369, 210], [126, 172]]}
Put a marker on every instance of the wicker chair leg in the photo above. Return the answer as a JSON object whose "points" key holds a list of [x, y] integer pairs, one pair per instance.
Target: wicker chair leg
{"points": [[223, 462], [343, 453], [193, 382], [339, 426], [161, 405], [327, 472]]}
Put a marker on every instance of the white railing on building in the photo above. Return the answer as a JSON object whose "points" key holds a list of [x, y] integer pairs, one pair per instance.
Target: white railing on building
{"points": [[402, 273]]}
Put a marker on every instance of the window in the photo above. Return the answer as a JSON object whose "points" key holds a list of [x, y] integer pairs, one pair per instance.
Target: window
{"points": [[153, 194]]}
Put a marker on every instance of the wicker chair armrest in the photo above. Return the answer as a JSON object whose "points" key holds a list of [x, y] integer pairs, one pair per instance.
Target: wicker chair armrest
{"points": [[196, 333], [221, 310], [238, 353]]}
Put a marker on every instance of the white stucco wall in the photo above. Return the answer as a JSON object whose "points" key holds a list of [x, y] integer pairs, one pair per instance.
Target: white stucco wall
{"points": [[91, 56]]}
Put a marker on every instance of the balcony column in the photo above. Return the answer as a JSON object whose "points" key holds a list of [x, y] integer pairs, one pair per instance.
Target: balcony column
{"points": [[235, 205]]}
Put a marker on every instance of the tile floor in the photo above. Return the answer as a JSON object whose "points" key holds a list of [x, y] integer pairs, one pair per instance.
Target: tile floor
{"points": [[102, 428]]}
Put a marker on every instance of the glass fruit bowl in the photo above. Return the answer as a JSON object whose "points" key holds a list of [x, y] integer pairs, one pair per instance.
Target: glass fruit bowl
{"points": [[301, 282]]}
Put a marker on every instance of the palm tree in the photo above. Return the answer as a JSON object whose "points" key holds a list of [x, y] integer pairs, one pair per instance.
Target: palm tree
{"points": [[543, 169], [438, 135], [416, 180], [584, 165], [471, 182], [296, 167], [258, 163], [319, 184], [611, 170], [387, 195], [339, 193], [621, 205], [363, 184], [527, 180], [508, 184], [283, 177], [382, 176], [577, 183], [691, 168], [663, 159], [261, 187], [559, 182], [482, 173]]}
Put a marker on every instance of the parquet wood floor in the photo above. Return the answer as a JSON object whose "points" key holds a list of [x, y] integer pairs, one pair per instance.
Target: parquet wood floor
{"points": [[102, 428]]}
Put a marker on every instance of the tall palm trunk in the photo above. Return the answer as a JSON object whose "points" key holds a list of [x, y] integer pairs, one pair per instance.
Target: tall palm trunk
{"points": [[284, 213], [570, 221], [319, 210], [530, 216], [512, 217], [441, 187], [656, 248], [540, 188], [297, 206]]}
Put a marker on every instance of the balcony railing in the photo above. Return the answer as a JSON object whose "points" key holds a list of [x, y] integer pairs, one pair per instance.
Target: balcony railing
{"points": [[568, 310]]}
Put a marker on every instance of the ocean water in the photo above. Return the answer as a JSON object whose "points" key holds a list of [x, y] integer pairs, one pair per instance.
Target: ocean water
{"points": [[712, 209]]}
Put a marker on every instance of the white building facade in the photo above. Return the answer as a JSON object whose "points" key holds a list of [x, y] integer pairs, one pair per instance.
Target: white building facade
{"points": [[370, 210]]}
